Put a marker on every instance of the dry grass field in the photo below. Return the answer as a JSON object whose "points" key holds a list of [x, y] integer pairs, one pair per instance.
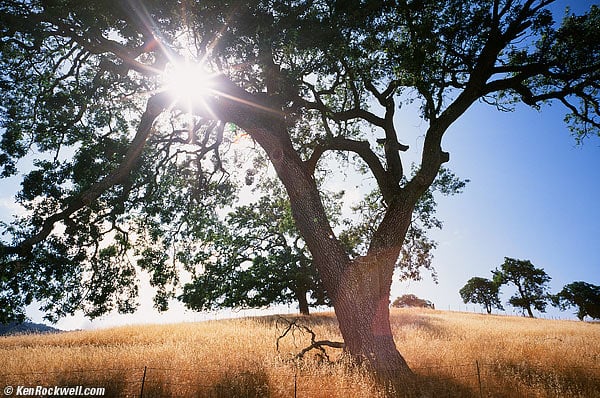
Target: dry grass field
{"points": [[452, 354]]}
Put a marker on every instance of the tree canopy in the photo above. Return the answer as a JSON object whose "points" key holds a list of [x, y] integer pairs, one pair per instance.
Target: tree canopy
{"points": [[121, 162], [582, 295], [259, 258], [531, 283], [482, 291], [411, 300]]}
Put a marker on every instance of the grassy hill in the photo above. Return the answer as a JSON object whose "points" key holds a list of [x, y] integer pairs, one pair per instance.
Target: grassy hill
{"points": [[453, 355], [26, 328]]}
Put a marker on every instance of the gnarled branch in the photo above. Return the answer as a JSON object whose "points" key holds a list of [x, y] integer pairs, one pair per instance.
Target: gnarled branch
{"points": [[362, 149]]}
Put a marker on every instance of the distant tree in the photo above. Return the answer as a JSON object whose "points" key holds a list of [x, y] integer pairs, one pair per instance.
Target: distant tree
{"points": [[583, 295], [410, 300], [258, 258], [531, 284], [482, 291]]}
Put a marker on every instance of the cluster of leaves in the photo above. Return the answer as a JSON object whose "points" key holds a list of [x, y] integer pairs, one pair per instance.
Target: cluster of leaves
{"points": [[410, 300], [257, 258], [582, 295], [103, 198], [482, 291]]}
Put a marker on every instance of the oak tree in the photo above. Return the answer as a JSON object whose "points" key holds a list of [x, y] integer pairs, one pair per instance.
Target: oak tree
{"points": [[411, 300], [582, 295], [482, 291], [531, 284], [124, 110]]}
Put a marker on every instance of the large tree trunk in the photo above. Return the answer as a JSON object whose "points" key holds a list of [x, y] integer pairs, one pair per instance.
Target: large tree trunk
{"points": [[362, 309], [359, 288]]}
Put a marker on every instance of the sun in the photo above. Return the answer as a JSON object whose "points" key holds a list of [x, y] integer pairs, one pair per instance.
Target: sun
{"points": [[189, 83], [193, 86]]}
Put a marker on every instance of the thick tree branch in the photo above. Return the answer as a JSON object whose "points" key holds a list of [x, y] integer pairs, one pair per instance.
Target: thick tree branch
{"points": [[95, 43], [230, 103], [98, 44], [390, 143], [389, 235], [362, 148]]}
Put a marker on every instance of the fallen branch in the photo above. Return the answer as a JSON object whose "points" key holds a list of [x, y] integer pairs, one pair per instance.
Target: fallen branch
{"points": [[294, 325]]}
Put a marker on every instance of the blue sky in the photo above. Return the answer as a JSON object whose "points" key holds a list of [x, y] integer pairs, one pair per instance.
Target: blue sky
{"points": [[533, 195]]}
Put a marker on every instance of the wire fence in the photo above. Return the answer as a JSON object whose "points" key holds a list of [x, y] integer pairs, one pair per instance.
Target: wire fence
{"points": [[476, 380]]}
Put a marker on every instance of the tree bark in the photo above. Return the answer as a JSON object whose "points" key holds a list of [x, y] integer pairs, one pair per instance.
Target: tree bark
{"points": [[362, 309]]}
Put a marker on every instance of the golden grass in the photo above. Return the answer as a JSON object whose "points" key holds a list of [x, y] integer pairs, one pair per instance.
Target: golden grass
{"points": [[517, 357]]}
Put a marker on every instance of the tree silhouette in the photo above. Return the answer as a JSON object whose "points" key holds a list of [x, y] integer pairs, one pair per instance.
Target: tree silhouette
{"points": [[582, 295], [410, 300], [531, 284], [482, 291]]}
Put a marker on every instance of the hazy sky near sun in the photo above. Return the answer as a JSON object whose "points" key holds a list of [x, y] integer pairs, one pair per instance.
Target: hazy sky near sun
{"points": [[533, 194]]}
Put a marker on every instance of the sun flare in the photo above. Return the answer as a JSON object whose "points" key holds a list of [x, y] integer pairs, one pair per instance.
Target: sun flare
{"points": [[190, 83]]}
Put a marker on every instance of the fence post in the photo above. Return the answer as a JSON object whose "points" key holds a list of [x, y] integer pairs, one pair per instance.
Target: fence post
{"points": [[479, 379], [296, 383], [143, 381]]}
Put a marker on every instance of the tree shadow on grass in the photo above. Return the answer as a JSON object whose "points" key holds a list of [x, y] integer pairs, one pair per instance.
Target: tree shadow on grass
{"points": [[328, 320], [403, 324], [508, 380], [250, 384], [116, 383], [421, 386]]}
